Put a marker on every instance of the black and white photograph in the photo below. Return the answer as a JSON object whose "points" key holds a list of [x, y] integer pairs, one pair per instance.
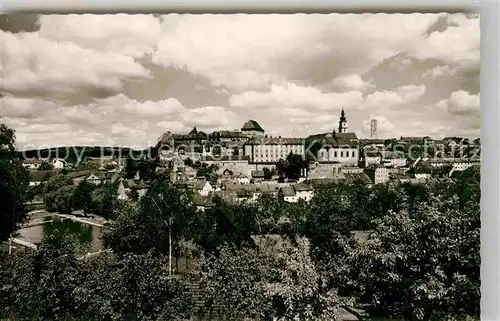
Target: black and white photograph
{"points": [[243, 167]]}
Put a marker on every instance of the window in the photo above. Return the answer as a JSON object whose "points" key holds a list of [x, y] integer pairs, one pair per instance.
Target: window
{"points": [[335, 153], [341, 154], [353, 154]]}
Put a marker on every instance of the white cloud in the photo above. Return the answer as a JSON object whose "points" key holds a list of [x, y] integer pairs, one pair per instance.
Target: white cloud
{"points": [[457, 45], [293, 96], [276, 48], [115, 120], [292, 73], [30, 63], [353, 82], [440, 71], [461, 103], [133, 35]]}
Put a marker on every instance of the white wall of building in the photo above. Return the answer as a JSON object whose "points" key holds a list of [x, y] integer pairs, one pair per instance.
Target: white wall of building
{"points": [[341, 155], [270, 153]]}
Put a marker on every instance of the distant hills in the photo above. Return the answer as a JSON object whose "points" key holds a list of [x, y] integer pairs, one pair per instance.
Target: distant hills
{"points": [[75, 152]]}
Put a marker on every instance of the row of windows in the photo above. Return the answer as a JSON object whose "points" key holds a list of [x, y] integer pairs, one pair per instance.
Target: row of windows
{"points": [[346, 153], [279, 147]]}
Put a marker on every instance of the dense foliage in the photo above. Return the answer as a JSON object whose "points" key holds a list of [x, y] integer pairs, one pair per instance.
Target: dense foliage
{"points": [[13, 185]]}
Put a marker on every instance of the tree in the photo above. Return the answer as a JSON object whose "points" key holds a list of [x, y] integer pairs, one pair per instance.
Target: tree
{"points": [[45, 167], [133, 194], [51, 191], [268, 174], [422, 264], [104, 200], [208, 171], [131, 168], [161, 220], [275, 279], [82, 197], [295, 164], [13, 185], [45, 284], [63, 200], [291, 168], [227, 223]]}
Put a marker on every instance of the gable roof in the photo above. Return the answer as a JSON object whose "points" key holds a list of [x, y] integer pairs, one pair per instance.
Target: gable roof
{"points": [[288, 191], [252, 125], [205, 201]]}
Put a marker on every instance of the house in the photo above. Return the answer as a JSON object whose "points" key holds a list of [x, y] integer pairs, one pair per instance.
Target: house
{"points": [[95, 179], [59, 163], [303, 191], [372, 143], [78, 176], [124, 188], [289, 194], [202, 202], [258, 175], [378, 175], [32, 163], [39, 177], [242, 179], [411, 140], [372, 157], [203, 187]]}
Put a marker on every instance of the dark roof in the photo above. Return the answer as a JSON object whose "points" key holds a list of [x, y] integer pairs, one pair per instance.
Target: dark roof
{"points": [[78, 174], [206, 201], [227, 158], [275, 141], [302, 187], [258, 173], [353, 177], [288, 191], [252, 125], [372, 141], [351, 136], [228, 134], [334, 139], [33, 161]]}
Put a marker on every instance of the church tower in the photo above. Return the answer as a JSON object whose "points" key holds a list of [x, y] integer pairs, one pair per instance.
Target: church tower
{"points": [[342, 122]]}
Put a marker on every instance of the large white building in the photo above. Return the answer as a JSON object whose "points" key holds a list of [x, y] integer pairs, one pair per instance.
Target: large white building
{"points": [[272, 149]]}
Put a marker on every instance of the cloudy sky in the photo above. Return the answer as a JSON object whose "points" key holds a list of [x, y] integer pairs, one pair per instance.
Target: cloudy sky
{"points": [[125, 79]]}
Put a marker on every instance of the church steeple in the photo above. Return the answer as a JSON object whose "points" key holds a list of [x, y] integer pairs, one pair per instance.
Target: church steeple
{"points": [[342, 122]]}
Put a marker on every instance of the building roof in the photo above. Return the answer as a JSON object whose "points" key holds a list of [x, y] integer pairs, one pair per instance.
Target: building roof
{"points": [[288, 191], [252, 125], [240, 176], [205, 201], [334, 139], [301, 187], [32, 161], [199, 185], [227, 158], [228, 134], [275, 141], [258, 173]]}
